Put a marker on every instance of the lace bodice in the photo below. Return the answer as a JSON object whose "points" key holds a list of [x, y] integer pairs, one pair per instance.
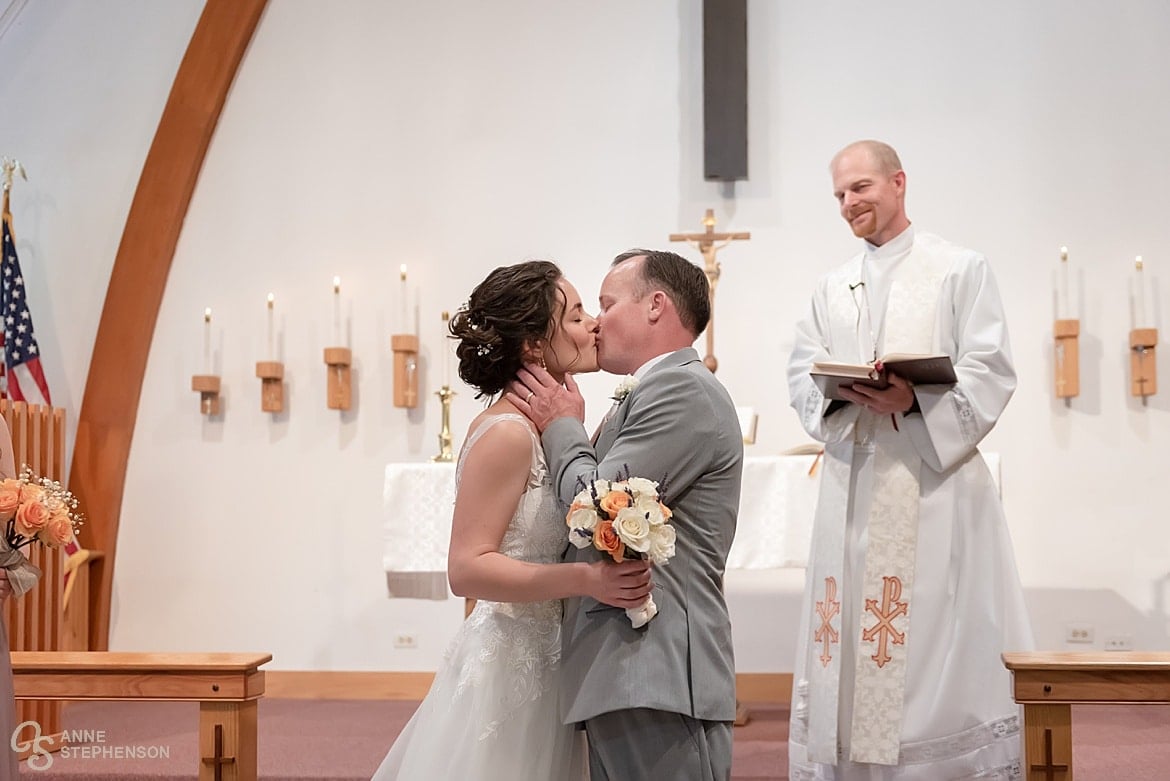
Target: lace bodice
{"points": [[530, 535], [512, 649]]}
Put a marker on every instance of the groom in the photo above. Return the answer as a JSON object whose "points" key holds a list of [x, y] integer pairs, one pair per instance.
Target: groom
{"points": [[657, 702]]}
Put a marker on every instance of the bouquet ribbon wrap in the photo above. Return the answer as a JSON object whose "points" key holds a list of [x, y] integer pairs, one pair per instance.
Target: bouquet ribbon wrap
{"points": [[22, 574]]}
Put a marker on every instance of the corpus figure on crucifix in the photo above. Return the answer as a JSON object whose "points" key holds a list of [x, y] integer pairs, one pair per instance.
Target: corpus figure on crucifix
{"points": [[707, 244]]}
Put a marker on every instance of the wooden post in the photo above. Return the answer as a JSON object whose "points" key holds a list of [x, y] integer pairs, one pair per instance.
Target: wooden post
{"points": [[1048, 742]]}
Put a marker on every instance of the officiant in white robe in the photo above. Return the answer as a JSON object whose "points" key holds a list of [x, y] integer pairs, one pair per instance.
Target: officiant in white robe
{"points": [[912, 591]]}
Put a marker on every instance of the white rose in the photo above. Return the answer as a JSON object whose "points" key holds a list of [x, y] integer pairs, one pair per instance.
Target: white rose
{"points": [[650, 509], [633, 529], [643, 487], [583, 518], [628, 383], [662, 539], [600, 488]]}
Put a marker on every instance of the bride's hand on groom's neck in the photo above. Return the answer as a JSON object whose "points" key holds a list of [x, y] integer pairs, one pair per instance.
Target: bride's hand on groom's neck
{"points": [[542, 399]]}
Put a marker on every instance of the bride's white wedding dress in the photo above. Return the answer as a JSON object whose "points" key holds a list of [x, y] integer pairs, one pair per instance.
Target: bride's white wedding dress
{"points": [[492, 713]]}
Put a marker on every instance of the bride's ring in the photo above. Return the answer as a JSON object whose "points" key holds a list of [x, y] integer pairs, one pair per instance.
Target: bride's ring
{"points": [[528, 398]]}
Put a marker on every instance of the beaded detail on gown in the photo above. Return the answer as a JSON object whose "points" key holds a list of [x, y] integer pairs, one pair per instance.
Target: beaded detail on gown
{"points": [[493, 709]]}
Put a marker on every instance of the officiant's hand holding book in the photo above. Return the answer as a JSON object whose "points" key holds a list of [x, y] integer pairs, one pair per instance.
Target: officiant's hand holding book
{"points": [[916, 369]]}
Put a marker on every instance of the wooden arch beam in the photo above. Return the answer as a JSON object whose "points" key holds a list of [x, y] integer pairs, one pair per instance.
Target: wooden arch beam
{"points": [[109, 407]]}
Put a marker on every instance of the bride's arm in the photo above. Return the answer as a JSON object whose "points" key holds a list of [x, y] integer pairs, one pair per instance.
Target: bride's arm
{"points": [[494, 477]]}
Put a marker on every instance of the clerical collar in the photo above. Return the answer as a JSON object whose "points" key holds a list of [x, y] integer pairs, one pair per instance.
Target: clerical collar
{"points": [[899, 245]]}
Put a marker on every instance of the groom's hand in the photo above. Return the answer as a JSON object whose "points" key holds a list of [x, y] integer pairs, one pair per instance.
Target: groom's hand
{"points": [[535, 393], [621, 585]]}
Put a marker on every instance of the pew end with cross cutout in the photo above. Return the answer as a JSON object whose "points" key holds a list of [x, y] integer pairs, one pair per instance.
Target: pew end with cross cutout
{"points": [[227, 687], [1049, 684]]}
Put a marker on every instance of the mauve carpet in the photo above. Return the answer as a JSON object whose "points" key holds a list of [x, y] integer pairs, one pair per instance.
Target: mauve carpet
{"points": [[310, 740]]}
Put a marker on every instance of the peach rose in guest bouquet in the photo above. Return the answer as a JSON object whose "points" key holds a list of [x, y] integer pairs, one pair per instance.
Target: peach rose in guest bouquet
{"points": [[626, 520], [37, 509]]}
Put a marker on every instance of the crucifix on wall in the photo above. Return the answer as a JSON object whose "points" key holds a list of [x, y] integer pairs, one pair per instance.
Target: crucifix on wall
{"points": [[709, 243]]}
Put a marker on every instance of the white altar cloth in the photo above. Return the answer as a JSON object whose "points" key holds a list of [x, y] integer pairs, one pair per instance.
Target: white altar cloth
{"points": [[776, 508]]}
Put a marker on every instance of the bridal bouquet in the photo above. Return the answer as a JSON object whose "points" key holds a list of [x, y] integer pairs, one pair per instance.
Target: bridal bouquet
{"points": [[625, 519], [33, 509]]}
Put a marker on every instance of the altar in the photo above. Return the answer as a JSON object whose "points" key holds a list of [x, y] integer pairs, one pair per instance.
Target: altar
{"points": [[763, 584], [776, 508], [775, 520]]}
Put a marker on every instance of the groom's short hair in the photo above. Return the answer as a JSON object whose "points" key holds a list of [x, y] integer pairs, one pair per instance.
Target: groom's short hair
{"points": [[685, 283]]}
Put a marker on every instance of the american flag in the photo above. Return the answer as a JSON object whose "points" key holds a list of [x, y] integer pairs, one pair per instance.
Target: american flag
{"points": [[22, 354]]}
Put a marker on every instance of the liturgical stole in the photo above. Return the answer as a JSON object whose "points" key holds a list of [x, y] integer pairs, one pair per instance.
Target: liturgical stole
{"points": [[888, 582]]}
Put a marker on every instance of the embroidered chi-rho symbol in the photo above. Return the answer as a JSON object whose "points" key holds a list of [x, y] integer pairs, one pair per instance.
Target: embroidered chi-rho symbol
{"points": [[826, 634], [884, 630]]}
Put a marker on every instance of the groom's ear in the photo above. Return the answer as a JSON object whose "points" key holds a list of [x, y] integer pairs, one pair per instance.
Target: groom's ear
{"points": [[658, 303]]}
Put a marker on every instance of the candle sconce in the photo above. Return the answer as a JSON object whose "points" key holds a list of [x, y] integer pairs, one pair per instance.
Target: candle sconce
{"points": [[1143, 363], [271, 374], [405, 348], [1068, 358], [337, 392], [207, 385]]}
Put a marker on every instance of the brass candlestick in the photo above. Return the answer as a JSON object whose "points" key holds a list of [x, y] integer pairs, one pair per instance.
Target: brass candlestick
{"points": [[445, 455]]}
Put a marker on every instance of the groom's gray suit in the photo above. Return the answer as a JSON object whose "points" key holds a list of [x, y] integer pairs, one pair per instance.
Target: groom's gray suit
{"points": [[678, 426]]}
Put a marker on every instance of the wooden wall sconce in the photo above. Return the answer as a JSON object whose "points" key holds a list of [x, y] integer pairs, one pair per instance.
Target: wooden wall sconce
{"points": [[271, 374], [405, 348], [1068, 358], [338, 359], [207, 386], [1143, 364]]}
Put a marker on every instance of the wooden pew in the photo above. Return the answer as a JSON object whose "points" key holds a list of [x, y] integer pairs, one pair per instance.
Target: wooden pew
{"points": [[35, 620], [227, 687], [1049, 684]]}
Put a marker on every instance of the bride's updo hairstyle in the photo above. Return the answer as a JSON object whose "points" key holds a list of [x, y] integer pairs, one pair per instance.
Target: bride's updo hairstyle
{"points": [[514, 305]]}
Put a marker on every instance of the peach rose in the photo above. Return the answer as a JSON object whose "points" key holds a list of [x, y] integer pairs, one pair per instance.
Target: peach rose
{"points": [[32, 516], [606, 540], [613, 502], [9, 497], [57, 532]]}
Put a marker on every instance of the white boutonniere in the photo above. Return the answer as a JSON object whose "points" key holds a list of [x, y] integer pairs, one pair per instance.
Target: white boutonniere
{"points": [[628, 383]]}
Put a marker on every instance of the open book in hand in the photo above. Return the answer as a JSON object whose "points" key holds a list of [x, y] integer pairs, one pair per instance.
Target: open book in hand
{"points": [[917, 369]]}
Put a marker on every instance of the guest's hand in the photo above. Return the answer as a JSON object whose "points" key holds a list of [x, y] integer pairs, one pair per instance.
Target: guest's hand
{"points": [[624, 585], [897, 397], [535, 393], [5, 586]]}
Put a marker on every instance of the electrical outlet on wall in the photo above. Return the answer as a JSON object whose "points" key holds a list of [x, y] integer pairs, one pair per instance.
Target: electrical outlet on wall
{"points": [[1079, 633], [405, 640], [1119, 643]]}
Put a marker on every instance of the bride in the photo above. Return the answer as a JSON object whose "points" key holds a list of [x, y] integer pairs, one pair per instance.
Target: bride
{"points": [[492, 711]]}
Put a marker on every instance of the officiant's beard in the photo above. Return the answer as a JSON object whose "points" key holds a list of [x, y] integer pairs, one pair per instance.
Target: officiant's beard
{"points": [[864, 224]]}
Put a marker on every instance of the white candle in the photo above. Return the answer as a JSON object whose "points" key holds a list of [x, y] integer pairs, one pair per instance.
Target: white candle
{"points": [[207, 341], [446, 352], [1064, 302], [271, 328], [1139, 295], [405, 296], [337, 311]]}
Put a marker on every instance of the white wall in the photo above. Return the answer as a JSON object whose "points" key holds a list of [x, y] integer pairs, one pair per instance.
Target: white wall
{"points": [[455, 137]]}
